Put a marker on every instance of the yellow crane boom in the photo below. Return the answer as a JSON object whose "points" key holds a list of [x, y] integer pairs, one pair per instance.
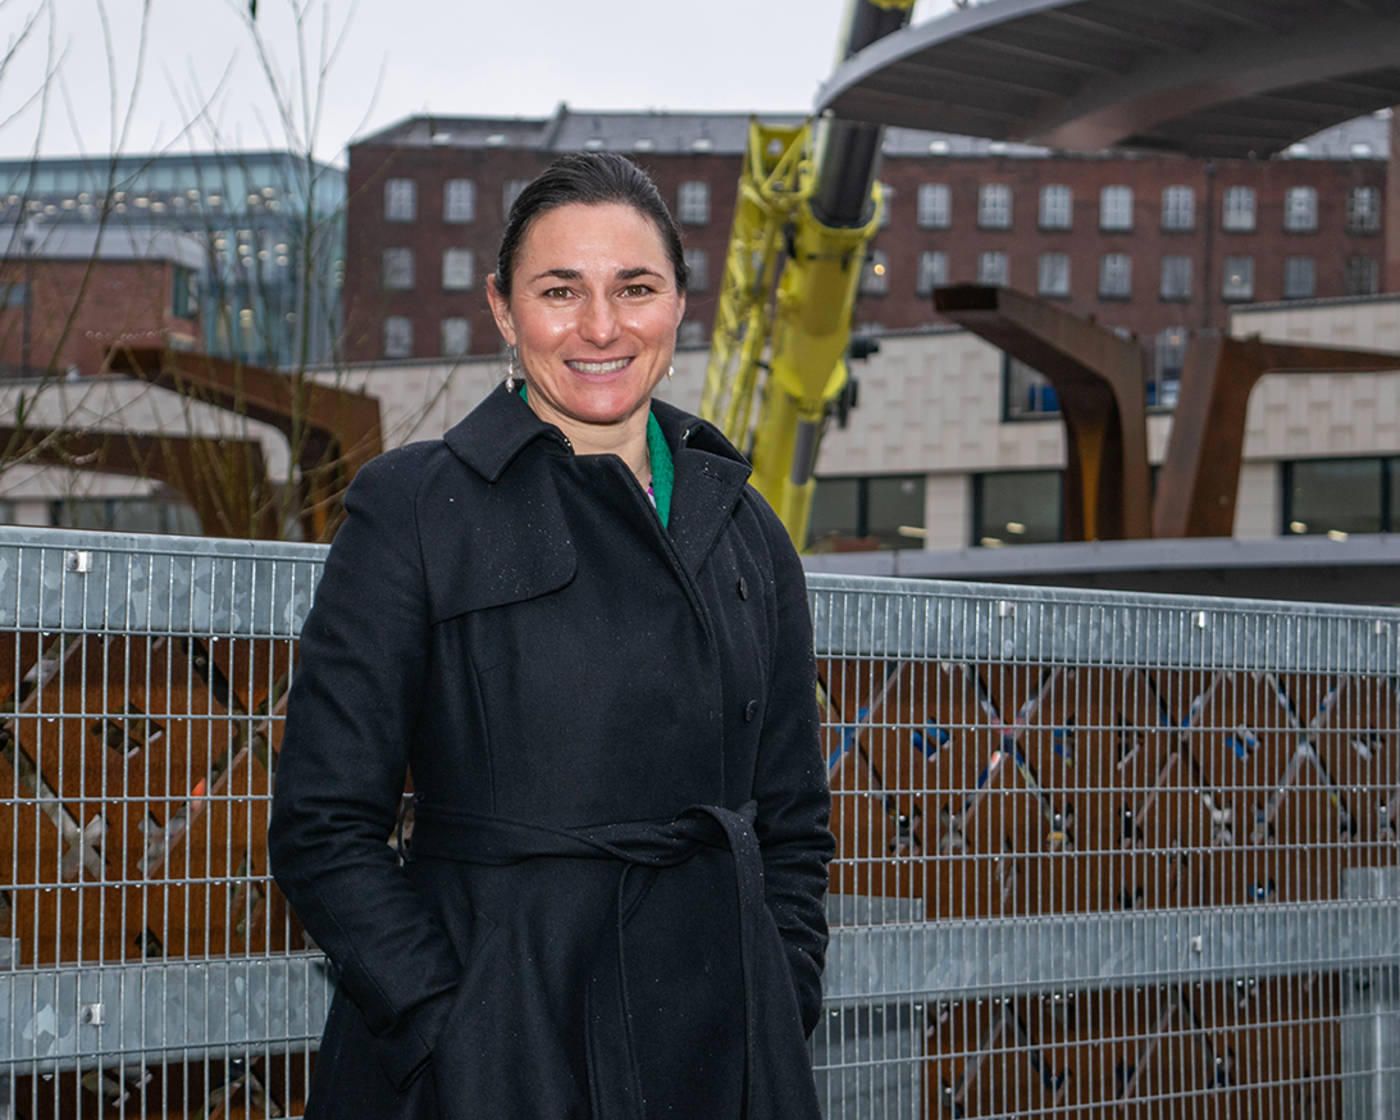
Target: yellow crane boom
{"points": [[803, 221]]}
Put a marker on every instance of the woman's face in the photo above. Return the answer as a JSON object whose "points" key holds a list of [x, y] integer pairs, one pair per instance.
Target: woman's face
{"points": [[593, 312]]}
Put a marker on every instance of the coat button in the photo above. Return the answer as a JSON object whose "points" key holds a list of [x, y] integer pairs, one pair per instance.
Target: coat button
{"points": [[743, 588], [750, 710]]}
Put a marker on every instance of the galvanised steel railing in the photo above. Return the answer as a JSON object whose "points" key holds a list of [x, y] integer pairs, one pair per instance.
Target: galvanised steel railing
{"points": [[1099, 854]]}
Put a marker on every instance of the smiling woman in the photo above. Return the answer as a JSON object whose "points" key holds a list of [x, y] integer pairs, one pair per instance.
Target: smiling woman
{"points": [[593, 315], [586, 638]]}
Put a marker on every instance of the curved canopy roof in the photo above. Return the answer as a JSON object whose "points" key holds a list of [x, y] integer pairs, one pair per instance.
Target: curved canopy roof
{"points": [[1201, 77]]}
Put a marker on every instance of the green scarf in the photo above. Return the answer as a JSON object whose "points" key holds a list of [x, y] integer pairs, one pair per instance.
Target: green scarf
{"points": [[663, 469]]}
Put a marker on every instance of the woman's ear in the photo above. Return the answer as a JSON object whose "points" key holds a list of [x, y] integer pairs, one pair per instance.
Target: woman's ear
{"points": [[500, 310]]}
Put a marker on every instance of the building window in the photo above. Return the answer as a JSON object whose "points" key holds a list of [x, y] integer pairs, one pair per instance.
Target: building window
{"points": [[994, 206], [400, 200], [1115, 276], [398, 270], [887, 510], [1178, 209], [1056, 206], [1363, 276], [697, 263], [935, 206], [510, 192], [875, 276], [1176, 277], [1237, 282], [1053, 275], [1026, 394], [1363, 210], [459, 201], [1300, 210], [184, 292], [1016, 507], [1116, 208], [1299, 281], [933, 272], [887, 194], [991, 268], [1168, 360], [693, 207], [457, 270], [1337, 497], [1237, 210], [398, 337], [456, 337]]}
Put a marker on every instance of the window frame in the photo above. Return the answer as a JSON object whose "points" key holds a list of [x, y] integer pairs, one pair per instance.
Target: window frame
{"points": [[1056, 207], [1110, 291], [456, 211], [1173, 219], [1239, 218], [452, 253], [928, 259], [994, 206], [930, 212], [693, 203], [1300, 210], [1171, 261], [394, 259], [396, 191], [1053, 267], [1116, 203], [1244, 292]]}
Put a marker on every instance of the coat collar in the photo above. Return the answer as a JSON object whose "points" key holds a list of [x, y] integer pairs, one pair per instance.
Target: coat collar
{"points": [[710, 473]]}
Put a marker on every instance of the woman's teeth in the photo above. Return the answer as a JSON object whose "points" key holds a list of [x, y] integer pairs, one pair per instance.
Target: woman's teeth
{"points": [[598, 367]]}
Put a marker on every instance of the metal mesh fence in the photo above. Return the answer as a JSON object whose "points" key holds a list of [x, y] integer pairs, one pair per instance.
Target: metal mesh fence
{"points": [[1100, 854]]}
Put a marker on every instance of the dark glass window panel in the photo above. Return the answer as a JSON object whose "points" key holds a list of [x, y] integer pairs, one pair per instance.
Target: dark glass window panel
{"points": [[1392, 523], [835, 510], [1017, 507], [1334, 496], [895, 503]]}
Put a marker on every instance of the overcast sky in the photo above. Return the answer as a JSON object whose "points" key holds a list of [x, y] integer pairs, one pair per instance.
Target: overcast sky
{"points": [[200, 82]]}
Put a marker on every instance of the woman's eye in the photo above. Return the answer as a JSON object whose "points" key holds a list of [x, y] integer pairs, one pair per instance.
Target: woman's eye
{"points": [[556, 293], [637, 290]]}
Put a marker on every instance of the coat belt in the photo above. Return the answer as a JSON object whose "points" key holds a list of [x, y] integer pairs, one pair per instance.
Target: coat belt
{"points": [[483, 839]]}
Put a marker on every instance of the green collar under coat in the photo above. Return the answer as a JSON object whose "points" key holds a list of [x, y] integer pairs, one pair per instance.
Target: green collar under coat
{"points": [[663, 470]]}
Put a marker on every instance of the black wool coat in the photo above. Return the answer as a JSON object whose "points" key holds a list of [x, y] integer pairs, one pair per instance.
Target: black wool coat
{"points": [[612, 902]]}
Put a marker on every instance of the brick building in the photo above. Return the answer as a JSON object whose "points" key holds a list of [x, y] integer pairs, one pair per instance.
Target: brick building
{"points": [[1150, 243], [137, 285]]}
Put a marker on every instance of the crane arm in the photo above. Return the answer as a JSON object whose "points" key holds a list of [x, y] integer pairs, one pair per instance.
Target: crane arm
{"points": [[803, 222]]}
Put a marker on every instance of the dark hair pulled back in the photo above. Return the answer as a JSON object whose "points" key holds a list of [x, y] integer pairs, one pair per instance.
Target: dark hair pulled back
{"points": [[589, 179]]}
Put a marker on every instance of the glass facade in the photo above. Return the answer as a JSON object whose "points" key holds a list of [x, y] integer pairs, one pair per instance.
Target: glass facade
{"points": [[273, 225]]}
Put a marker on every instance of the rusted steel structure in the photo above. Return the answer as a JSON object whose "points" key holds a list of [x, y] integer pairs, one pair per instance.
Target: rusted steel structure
{"points": [[223, 479], [332, 432], [1200, 475], [1101, 381], [1100, 378]]}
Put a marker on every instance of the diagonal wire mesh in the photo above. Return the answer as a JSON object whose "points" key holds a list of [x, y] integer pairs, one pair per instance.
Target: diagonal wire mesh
{"points": [[1099, 854]]}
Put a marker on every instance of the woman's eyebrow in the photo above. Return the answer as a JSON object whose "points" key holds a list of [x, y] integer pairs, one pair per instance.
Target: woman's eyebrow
{"points": [[558, 274], [575, 274]]}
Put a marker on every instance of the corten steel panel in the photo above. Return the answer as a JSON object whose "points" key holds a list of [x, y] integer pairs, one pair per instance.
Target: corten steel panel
{"points": [[1100, 854]]}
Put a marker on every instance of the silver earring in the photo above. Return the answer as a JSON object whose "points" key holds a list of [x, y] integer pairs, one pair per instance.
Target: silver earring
{"points": [[510, 370], [670, 372]]}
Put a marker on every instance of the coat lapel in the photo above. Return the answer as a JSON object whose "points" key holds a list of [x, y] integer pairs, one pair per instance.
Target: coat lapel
{"points": [[710, 477]]}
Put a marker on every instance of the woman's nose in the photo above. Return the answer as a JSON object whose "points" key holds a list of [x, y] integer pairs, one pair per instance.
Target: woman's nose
{"points": [[599, 322]]}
